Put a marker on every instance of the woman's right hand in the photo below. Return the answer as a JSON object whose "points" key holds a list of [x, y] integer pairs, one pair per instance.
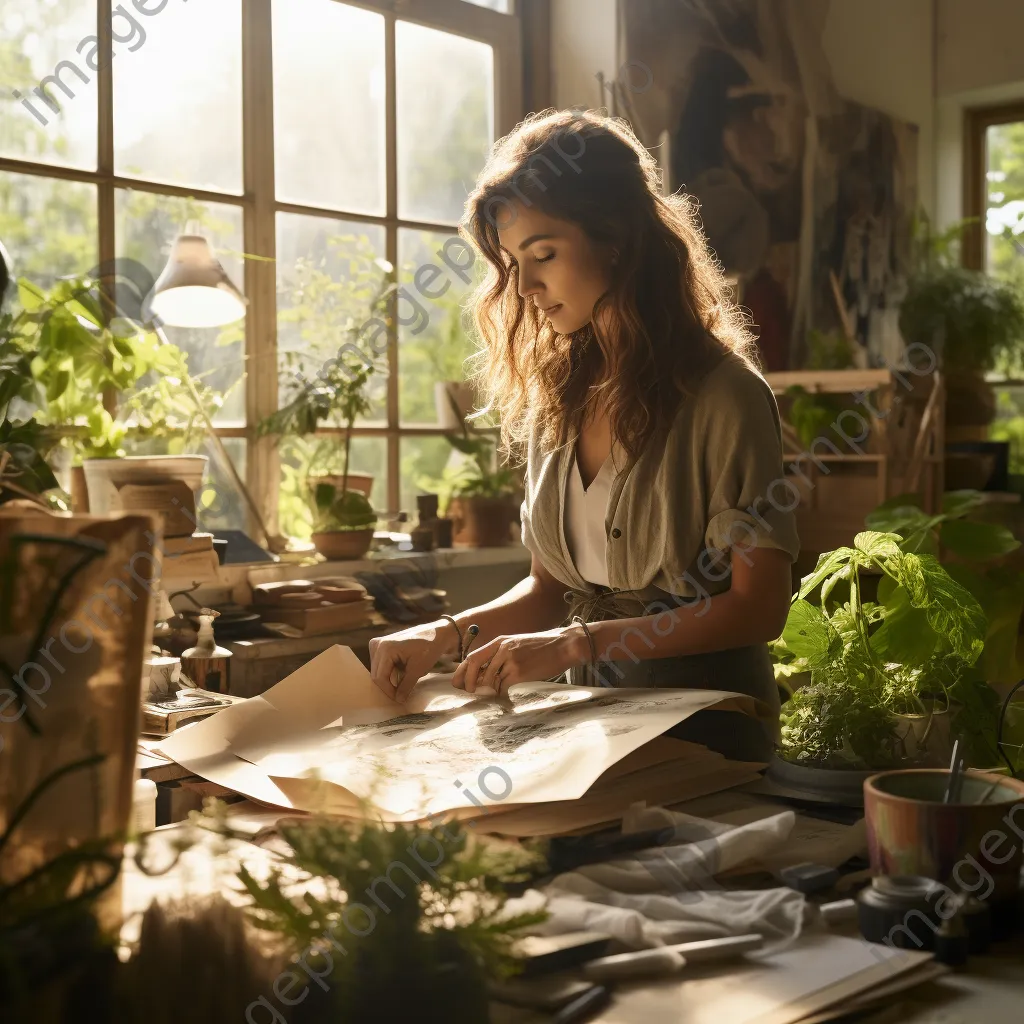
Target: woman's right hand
{"points": [[409, 655]]}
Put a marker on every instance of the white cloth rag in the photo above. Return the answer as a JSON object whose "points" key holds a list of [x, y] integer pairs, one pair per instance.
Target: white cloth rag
{"points": [[669, 894]]}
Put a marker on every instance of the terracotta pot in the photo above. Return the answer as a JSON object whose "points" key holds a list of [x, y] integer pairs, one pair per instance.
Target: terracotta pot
{"points": [[910, 830], [481, 522], [361, 482], [442, 532], [343, 545], [970, 402]]}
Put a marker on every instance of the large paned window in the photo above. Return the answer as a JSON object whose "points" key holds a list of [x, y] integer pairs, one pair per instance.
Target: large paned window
{"points": [[994, 197], [314, 143]]}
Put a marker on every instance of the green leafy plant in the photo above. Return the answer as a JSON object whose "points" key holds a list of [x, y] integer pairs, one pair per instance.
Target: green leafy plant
{"points": [[975, 320], [428, 937], [24, 471], [974, 553], [76, 356], [827, 350], [63, 359], [476, 475], [871, 660], [336, 509], [811, 415], [337, 396]]}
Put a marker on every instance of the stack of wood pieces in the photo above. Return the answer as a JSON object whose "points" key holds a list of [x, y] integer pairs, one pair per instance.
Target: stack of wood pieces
{"points": [[329, 605], [187, 554], [662, 772], [189, 558]]}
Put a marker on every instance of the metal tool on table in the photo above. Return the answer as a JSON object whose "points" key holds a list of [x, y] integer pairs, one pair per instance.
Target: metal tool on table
{"points": [[668, 960], [956, 776]]}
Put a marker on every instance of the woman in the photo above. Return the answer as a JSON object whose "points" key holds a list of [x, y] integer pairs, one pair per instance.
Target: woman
{"points": [[656, 504]]}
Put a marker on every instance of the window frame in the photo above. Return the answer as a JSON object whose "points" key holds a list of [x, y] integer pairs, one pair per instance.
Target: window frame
{"points": [[977, 121], [259, 204]]}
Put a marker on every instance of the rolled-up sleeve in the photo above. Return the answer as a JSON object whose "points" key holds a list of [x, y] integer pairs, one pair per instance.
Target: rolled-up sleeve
{"points": [[529, 541], [750, 501]]}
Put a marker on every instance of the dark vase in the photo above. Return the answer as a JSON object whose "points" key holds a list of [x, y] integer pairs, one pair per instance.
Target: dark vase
{"points": [[432, 981], [60, 969], [426, 506]]}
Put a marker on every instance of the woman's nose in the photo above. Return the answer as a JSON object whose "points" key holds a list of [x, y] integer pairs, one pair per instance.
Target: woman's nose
{"points": [[528, 285]]}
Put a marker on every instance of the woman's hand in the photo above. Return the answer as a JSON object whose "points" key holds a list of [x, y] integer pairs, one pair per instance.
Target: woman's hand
{"points": [[404, 658], [525, 657]]}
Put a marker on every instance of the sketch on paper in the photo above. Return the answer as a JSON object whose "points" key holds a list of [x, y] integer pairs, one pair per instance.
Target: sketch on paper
{"points": [[309, 740]]}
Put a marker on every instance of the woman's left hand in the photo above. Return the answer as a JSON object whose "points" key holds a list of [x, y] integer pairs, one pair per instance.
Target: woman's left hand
{"points": [[525, 657]]}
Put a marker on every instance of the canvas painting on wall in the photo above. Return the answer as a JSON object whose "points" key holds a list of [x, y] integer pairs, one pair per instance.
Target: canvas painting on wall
{"points": [[795, 184]]}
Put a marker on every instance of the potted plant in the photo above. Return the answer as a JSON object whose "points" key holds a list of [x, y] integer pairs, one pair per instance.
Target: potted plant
{"points": [[883, 671], [480, 499], [343, 519], [433, 943], [64, 358], [984, 558], [972, 320]]}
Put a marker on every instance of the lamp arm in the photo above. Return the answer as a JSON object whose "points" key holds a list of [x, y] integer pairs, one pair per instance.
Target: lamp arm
{"points": [[219, 445]]}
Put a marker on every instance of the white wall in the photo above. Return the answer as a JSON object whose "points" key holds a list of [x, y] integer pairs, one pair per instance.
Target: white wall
{"points": [[583, 42], [980, 64], [980, 45], [923, 61], [882, 55]]}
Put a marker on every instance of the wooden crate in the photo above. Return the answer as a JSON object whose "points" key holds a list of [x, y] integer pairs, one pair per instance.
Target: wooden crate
{"points": [[890, 443]]}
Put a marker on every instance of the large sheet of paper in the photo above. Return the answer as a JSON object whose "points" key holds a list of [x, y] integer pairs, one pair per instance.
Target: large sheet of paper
{"points": [[326, 738]]}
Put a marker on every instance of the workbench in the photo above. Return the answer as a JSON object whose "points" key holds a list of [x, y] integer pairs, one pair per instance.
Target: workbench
{"points": [[991, 990]]}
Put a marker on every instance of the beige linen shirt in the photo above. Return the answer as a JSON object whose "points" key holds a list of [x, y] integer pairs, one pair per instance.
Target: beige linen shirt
{"points": [[675, 512]]}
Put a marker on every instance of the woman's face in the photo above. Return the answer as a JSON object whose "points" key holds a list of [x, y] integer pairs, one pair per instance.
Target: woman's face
{"points": [[561, 269]]}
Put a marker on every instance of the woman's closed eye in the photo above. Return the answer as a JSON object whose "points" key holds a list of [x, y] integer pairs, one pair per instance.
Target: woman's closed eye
{"points": [[545, 259]]}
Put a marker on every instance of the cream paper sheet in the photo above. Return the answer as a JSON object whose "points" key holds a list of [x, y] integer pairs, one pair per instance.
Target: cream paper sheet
{"points": [[327, 738]]}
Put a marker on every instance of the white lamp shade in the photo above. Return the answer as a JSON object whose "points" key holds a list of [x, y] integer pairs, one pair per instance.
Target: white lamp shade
{"points": [[193, 290]]}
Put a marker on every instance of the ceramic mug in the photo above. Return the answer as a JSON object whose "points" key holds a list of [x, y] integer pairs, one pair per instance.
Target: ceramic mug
{"points": [[976, 844], [160, 678]]}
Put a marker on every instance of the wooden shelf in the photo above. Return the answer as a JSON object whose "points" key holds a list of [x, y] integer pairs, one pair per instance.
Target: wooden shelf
{"points": [[902, 453], [836, 382]]}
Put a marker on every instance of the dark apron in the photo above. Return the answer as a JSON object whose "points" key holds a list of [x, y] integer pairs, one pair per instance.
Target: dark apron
{"points": [[746, 670]]}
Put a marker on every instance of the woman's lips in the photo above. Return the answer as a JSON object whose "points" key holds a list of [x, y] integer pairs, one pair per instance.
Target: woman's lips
{"points": [[552, 309]]}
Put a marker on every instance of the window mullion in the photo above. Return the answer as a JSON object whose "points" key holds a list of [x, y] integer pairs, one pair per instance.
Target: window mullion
{"points": [[106, 243], [262, 463], [391, 144]]}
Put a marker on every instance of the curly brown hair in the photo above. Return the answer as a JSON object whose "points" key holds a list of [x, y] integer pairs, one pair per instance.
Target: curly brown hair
{"points": [[671, 314]]}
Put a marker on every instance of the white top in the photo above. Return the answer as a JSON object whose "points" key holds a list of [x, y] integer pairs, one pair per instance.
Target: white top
{"points": [[585, 512]]}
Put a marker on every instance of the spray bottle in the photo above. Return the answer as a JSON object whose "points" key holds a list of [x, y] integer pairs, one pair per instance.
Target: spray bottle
{"points": [[206, 664]]}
